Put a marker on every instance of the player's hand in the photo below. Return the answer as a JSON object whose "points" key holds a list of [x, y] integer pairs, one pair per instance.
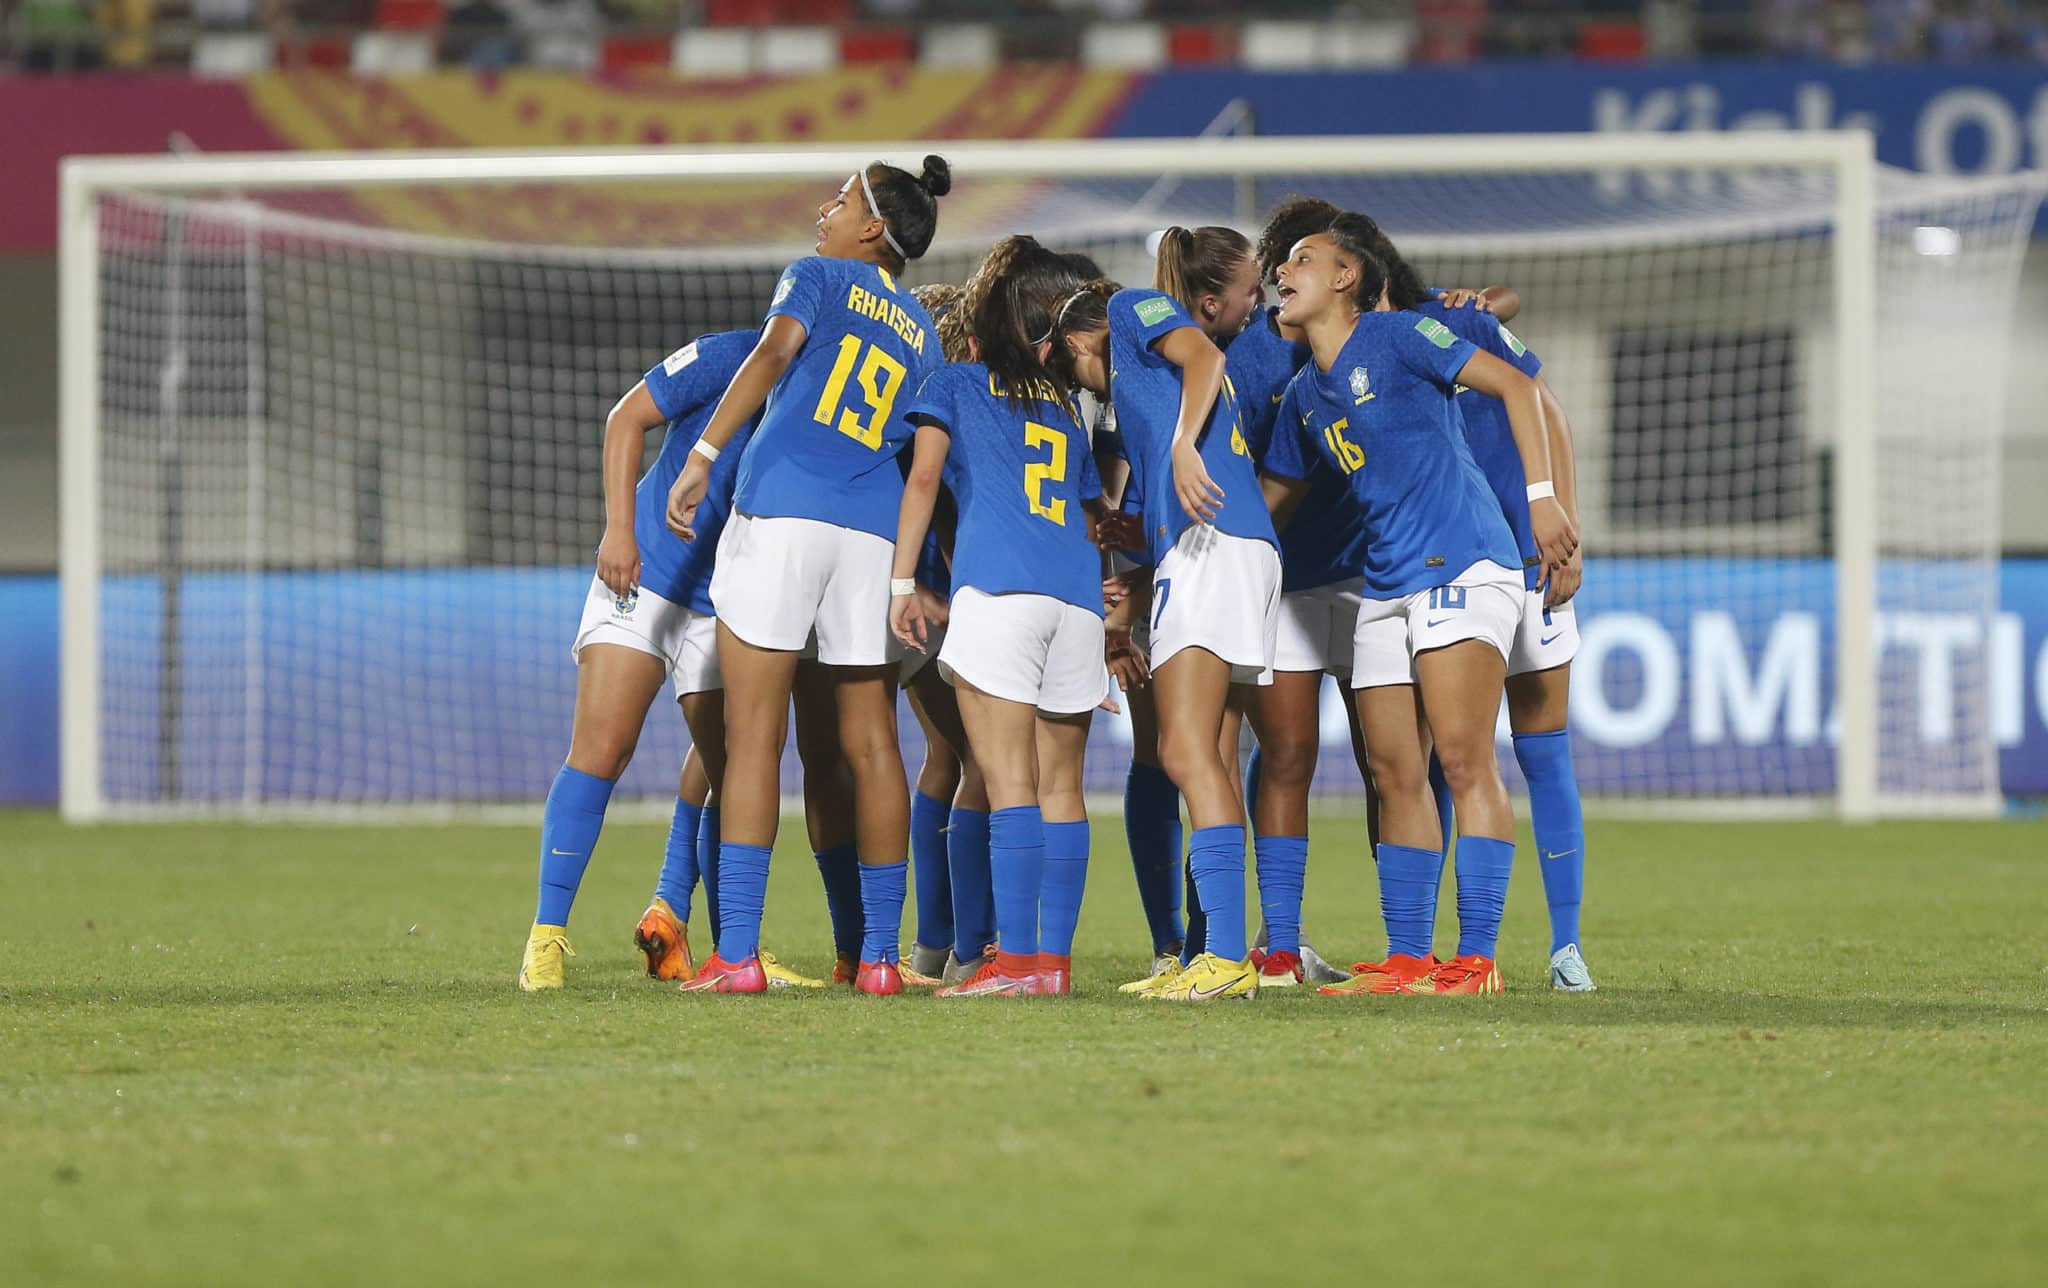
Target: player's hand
{"points": [[1120, 531], [1126, 664], [937, 609], [1459, 297], [906, 619], [618, 562], [1557, 539], [1115, 590], [1564, 581], [687, 494], [1198, 493]]}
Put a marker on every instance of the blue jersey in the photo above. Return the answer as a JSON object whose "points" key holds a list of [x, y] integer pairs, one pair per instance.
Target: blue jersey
{"points": [[1145, 389], [1487, 431], [1020, 475], [827, 444], [1382, 416], [1320, 544], [686, 387]]}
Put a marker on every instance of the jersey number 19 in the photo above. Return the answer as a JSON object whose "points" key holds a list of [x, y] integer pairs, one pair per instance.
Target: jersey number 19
{"points": [[880, 378]]}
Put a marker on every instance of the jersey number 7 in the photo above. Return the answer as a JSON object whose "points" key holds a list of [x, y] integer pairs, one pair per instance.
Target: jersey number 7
{"points": [[880, 379], [1039, 473]]}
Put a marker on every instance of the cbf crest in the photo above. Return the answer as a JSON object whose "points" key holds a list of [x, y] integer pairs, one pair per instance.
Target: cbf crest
{"points": [[1361, 385], [624, 604]]}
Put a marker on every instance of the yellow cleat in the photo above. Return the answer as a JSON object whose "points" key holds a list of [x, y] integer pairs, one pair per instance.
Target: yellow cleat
{"points": [[1210, 978], [665, 942], [542, 966], [780, 976], [1164, 968]]}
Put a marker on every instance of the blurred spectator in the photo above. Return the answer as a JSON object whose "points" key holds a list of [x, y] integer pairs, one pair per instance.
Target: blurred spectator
{"points": [[562, 34], [224, 15], [57, 35], [127, 30], [1795, 28], [479, 34], [1962, 30]]}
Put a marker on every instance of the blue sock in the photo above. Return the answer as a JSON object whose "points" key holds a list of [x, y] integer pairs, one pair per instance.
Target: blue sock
{"points": [[707, 867], [1197, 941], [1408, 884], [742, 888], [1016, 859], [1546, 761], [1483, 866], [840, 868], [1283, 871], [1217, 860], [928, 870], [1152, 826], [1440, 787], [678, 879], [1066, 875], [568, 833], [882, 887], [974, 896], [1254, 770]]}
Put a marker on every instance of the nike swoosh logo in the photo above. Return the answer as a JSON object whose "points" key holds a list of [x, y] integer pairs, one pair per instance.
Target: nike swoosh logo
{"points": [[1435, 622], [1548, 640], [1561, 854], [1277, 398], [568, 854], [1199, 994]]}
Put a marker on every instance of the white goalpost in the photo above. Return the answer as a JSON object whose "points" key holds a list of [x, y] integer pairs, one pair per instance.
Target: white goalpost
{"points": [[329, 438]]}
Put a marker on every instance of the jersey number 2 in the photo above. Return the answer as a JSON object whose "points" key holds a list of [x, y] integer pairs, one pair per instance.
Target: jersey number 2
{"points": [[880, 378], [1040, 473]]}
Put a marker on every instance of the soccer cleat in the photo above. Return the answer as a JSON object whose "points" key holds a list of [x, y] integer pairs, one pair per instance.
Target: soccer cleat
{"points": [[878, 979], [1462, 976], [929, 962], [1399, 973], [1209, 978], [915, 978], [541, 967], [1314, 970], [1568, 973], [718, 975], [990, 981], [845, 969], [1278, 970], [665, 942], [1056, 974], [780, 976], [959, 972], [1164, 967]]}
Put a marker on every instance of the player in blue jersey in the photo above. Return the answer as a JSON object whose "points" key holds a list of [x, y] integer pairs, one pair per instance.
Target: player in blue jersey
{"points": [[1547, 639], [1024, 646], [1439, 589], [1216, 585], [805, 557]]}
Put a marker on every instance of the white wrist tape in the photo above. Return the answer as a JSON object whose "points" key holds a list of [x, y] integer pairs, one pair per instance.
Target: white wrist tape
{"points": [[1537, 491], [902, 586], [705, 450]]}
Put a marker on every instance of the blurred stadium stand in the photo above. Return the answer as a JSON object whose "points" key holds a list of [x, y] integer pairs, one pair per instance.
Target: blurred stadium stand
{"points": [[388, 37]]}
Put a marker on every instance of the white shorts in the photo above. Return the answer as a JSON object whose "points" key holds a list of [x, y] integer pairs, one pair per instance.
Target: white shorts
{"points": [[1221, 593], [1544, 639], [1483, 602], [1026, 648], [685, 640], [780, 583], [1315, 631]]}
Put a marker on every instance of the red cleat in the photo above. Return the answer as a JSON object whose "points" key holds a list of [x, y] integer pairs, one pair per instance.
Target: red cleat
{"points": [[845, 969], [878, 979], [1399, 973], [718, 975], [1279, 970], [1464, 975], [993, 981], [1056, 974]]}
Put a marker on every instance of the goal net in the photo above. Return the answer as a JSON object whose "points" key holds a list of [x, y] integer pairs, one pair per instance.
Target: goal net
{"points": [[331, 441]]}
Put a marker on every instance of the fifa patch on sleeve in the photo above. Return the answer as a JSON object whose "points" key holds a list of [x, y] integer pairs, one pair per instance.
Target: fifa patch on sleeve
{"points": [[681, 358], [782, 289], [1436, 333], [1514, 342], [1155, 310]]}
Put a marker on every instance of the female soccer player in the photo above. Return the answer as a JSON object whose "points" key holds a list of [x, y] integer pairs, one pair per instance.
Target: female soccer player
{"points": [[1216, 588], [807, 552], [1024, 642], [1441, 588]]}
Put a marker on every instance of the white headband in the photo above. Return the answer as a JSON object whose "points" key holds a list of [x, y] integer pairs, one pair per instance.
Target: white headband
{"points": [[1060, 316], [887, 236]]}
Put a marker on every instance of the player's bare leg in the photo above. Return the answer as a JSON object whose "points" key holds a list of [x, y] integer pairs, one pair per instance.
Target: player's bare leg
{"points": [[867, 733], [1062, 750], [1003, 737], [1460, 685]]}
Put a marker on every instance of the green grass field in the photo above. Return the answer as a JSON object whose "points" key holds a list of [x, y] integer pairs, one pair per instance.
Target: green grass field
{"points": [[257, 1054]]}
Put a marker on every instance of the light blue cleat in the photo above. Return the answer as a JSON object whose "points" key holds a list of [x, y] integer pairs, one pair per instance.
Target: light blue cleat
{"points": [[1568, 973]]}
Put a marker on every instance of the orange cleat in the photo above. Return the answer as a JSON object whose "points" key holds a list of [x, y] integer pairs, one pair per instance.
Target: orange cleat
{"points": [[993, 981], [665, 941], [845, 969], [1466, 976], [915, 978], [718, 975], [1279, 970], [878, 979], [1399, 973], [1056, 974]]}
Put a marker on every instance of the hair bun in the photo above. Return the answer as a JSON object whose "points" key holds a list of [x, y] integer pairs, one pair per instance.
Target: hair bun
{"points": [[937, 178]]}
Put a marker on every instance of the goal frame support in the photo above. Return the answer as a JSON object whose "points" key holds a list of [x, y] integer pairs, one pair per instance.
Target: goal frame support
{"points": [[1849, 155]]}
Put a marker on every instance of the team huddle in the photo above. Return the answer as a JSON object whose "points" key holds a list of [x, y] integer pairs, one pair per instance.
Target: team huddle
{"points": [[1038, 494]]}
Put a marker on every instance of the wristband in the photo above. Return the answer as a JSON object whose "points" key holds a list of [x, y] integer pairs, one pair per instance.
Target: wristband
{"points": [[902, 586], [705, 450], [1537, 491]]}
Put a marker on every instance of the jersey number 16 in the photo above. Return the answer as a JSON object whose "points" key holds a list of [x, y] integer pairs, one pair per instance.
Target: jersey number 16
{"points": [[880, 379]]}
